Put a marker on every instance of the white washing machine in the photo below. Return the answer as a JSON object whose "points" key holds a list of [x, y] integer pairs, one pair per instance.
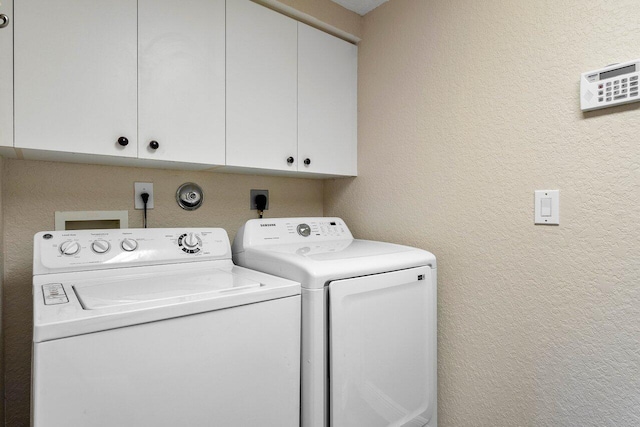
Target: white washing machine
{"points": [[157, 327], [368, 320]]}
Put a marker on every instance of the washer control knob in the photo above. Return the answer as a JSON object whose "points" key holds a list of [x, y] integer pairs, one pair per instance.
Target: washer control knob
{"points": [[191, 241], [69, 248], [100, 246], [304, 230], [129, 245]]}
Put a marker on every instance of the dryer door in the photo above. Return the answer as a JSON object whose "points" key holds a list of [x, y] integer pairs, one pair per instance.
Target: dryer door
{"points": [[383, 349]]}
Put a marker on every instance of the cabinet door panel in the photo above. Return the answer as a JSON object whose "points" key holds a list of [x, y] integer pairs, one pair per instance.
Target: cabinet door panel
{"points": [[327, 103], [75, 76], [6, 77], [181, 80], [261, 87]]}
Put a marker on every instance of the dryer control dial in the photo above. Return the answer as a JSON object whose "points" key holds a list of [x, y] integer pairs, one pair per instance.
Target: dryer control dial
{"points": [[69, 248], [304, 230], [100, 246], [129, 245], [190, 243]]}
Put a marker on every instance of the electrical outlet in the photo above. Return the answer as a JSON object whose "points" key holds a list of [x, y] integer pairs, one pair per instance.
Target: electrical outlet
{"points": [[139, 188], [252, 199]]}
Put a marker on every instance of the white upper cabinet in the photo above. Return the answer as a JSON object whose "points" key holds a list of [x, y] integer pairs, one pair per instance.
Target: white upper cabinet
{"points": [[6, 73], [181, 86], [291, 95], [327, 103], [261, 88], [190, 85], [75, 76]]}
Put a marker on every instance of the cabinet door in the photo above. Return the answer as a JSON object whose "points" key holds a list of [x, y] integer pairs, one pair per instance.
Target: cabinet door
{"points": [[75, 76], [327, 103], [261, 87], [6, 74], [181, 80]]}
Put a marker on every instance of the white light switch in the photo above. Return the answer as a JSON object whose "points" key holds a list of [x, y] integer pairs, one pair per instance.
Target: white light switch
{"points": [[547, 207]]}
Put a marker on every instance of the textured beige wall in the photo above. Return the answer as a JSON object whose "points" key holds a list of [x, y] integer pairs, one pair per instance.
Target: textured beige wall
{"points": [[33, 191], [465, 108]]}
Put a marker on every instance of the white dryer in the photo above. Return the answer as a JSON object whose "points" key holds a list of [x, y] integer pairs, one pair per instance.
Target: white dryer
{"points": [[157, 327], [368, 320]]}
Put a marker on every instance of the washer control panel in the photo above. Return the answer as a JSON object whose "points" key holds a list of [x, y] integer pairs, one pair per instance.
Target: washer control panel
{"points": [[293, 230], [96, 249]]}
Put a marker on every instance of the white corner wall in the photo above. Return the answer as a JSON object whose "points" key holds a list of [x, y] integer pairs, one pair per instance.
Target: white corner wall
{"points": [[465, 108]]}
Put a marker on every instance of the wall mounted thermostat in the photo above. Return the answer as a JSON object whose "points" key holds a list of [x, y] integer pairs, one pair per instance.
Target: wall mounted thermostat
{"points": [[612, 85]]}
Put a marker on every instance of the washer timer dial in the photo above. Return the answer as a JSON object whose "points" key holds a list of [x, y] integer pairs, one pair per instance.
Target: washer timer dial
{"points": [[190, 243]]}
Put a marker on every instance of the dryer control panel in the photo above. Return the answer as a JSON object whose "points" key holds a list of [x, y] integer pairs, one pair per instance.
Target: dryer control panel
{"points": [[293, 230], [57, 251]]}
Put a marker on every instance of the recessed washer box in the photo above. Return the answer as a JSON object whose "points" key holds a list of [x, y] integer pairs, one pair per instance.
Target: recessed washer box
{"points": [[91, 220]]}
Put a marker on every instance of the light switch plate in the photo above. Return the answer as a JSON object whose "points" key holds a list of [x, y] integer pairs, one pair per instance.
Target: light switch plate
{"points": [[547, 207]]}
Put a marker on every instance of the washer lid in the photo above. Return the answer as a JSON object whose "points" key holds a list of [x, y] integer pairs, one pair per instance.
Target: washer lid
{"points": [[103, 293], [92, 301]]}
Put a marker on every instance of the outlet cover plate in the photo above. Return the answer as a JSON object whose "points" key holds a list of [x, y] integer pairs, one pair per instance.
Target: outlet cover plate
{"points": [[252, 199], [139, 188]]}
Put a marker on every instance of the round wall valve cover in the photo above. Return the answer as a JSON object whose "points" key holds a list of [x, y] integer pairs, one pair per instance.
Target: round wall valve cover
{"points": [[189, 196]]}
